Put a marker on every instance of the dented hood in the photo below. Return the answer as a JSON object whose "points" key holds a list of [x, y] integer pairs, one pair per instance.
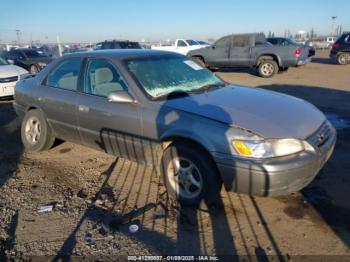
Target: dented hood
{"points": [[269, 114]]}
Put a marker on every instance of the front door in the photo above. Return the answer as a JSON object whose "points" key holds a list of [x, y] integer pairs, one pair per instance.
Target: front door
{"points": [[112, 127], [240, 50], [219, 53]]}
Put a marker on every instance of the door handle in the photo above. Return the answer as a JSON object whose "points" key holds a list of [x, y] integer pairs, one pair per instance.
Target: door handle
{"points": [[83, 108]]}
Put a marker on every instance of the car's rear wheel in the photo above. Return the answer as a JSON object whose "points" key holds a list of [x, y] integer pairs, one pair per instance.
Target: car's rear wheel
{"points": [[190, 176], [33, 69], [268, 68], [36, 134], [343, 58]]}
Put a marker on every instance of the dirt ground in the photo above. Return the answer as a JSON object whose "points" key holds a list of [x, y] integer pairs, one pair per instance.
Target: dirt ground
{"points": [[96, 197]]}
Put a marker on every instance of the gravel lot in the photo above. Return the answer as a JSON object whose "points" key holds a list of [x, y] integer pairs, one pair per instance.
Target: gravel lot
{"points": [[96, 197]]}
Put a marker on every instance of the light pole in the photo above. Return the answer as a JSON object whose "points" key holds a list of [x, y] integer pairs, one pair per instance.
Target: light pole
{"points": [[18, 33], [334, 18]]}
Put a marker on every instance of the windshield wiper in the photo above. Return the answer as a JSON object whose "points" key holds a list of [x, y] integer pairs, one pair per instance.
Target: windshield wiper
{"points": [[210, 86]]}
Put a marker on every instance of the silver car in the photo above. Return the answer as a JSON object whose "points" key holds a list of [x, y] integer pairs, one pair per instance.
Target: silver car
{"points": [[161, 109]]}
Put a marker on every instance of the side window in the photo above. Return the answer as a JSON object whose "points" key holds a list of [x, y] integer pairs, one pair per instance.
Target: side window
{"points": [[15, 54], [107, 45], [285, 42], [65, 75], [240, 41], [181, 43], [273, 41], [101, 78], [224, 42], [98, 46]]}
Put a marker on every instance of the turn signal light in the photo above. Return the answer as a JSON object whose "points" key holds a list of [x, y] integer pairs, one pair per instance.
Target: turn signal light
{"points": [[242, 148]]}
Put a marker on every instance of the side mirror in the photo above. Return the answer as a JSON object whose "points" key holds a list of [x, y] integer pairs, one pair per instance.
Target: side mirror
{"points": [[120, 97]]}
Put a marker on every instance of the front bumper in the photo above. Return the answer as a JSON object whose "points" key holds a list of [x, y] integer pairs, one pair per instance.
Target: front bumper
{"points": [[274, 177]]}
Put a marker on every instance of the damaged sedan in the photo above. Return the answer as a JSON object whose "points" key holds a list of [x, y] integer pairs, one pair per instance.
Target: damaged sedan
{"points": [[161, 109]]}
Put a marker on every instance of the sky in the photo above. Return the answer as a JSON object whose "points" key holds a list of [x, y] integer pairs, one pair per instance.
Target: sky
{"points": [[155, 20]]}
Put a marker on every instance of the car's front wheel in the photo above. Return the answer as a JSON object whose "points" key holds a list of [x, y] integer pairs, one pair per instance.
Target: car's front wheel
{"points": [[190, 176], [36, 134], [268, 68], [343, 58]]}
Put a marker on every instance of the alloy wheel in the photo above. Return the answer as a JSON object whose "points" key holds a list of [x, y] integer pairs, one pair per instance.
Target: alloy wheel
{"points": [[33, 130], [184, 177]]}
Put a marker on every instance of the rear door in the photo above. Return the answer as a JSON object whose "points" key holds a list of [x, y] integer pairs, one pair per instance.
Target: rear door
{"points": [[112, 127], [240, 50], [219, 53], [57, 96]]}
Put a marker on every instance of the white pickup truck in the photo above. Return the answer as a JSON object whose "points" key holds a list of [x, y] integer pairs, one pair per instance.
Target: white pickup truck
{"points": [[182, 46]]}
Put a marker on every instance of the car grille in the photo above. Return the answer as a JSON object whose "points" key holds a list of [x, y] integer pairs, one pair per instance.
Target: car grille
{"points": [[8, 79], [321, 136]]}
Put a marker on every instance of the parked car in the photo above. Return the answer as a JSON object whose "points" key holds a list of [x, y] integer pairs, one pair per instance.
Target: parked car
{"points": [[181, 46], [9, 76], [29, 59], [284, 41], [250, 50], [341, 50], [163, 109], [117, 44]]}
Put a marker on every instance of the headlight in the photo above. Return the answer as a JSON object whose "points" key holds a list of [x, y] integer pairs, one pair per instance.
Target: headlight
{"points": [[268, 148]]}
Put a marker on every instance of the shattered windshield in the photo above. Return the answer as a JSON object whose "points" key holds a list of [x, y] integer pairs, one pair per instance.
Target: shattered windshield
{"points": [[160, 76]]}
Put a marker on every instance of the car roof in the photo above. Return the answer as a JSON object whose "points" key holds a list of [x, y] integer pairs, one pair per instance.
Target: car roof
{"points": [[122, 53], [24, 49]]}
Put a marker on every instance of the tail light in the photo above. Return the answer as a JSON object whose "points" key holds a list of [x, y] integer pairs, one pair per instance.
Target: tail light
{"points": [[297, 52], [336, 45]]}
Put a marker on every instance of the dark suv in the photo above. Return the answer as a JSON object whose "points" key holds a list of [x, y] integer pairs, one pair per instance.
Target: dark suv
{"points": [[29, 59], [117, 44], [341, 50]]}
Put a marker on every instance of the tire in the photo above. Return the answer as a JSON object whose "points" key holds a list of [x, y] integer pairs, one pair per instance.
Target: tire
{"points": [[283, 70], [33, 69], [199, 61], [36, 134], [267, 68], [343, 58], [201, 182]]}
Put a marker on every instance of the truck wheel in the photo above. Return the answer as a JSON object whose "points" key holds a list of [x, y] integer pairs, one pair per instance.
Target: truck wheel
{"points": [[268, 68], [199, 61], [190, 175], [33, 69], [36, 134], [343, 58]]}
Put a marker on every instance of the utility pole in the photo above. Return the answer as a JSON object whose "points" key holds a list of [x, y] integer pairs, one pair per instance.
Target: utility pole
{"points": [[18, 33]]}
